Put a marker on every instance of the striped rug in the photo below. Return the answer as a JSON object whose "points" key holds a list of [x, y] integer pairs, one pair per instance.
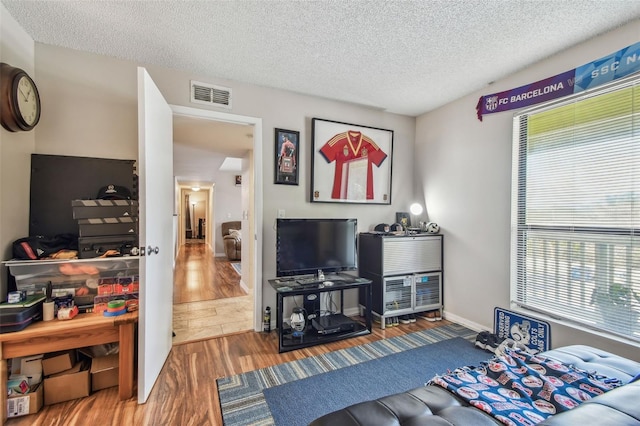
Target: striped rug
{"points": [[241, 396]]}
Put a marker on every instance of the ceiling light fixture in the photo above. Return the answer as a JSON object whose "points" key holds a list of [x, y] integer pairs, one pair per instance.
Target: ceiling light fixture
{"points": [[195, 188]]}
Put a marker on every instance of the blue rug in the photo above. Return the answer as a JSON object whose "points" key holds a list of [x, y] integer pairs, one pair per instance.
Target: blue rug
{"points": [[242, 396], [301, 401], [237, 267]]}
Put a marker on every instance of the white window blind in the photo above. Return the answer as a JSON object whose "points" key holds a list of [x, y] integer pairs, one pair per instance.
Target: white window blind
{"points": [[576, 209]]}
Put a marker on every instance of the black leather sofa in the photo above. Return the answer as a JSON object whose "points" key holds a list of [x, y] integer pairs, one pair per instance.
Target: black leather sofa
{"points": [[433, 405]]}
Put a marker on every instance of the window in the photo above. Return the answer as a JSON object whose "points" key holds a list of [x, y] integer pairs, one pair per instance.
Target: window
{"points": [[576, 209]]}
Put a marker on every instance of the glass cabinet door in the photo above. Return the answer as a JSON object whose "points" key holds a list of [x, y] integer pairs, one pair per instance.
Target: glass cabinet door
{"points": [[397, 293], [428, 290]]}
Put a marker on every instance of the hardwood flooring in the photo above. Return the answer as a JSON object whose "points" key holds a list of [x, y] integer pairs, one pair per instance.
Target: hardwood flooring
{"points": [[199, 275], [186, 392], [208, 298]]}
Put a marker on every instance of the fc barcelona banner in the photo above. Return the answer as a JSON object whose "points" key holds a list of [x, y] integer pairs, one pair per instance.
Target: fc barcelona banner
{"points": [[604, 70]]}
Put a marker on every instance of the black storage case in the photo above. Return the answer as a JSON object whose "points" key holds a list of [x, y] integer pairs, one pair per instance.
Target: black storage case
{"points": [[87, 209], [108, 226], [90, 247], [18, 318]]}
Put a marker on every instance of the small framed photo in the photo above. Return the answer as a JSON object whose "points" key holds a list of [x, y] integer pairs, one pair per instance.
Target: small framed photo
{"points": [[238, 180], [287, 144], [350, 163], [403, 219]]}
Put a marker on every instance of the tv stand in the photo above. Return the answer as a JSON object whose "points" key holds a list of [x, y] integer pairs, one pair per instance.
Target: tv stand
{"points": [[333, 323], [325, 328]]}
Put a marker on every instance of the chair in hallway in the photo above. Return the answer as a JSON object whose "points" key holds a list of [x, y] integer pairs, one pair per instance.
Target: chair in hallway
{"points": [[232, 239]]}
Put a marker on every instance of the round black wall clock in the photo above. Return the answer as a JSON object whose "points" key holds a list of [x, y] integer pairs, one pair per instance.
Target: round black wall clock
{"points": [[19, 99]]}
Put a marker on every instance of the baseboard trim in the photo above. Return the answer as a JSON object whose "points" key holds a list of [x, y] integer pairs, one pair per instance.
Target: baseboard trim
{"points": [[463, 321], [350, 312]]}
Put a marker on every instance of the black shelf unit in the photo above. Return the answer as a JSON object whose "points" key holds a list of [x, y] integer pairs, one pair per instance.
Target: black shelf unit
{"points": [[406, 272], [290, 287]]}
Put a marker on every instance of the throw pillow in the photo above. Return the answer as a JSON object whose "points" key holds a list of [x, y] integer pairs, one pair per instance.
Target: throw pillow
{"points": [[235, 233]]}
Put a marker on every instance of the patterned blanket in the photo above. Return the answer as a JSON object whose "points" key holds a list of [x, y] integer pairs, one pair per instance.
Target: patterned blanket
{"points": [[518, 388]]}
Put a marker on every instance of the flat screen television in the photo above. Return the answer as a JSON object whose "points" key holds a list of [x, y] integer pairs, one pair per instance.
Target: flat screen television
{"points": [[305, 245]]}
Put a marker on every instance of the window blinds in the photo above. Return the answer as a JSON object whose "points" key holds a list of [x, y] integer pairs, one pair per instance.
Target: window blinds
{"points": [[576, 209]]}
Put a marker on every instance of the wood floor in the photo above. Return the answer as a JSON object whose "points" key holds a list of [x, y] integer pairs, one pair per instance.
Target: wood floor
{"points": [[208, 298], [186, 391], [199, 275]]}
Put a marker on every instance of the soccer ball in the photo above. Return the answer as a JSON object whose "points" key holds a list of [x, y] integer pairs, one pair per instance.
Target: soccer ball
{"points": [[433, 228]]}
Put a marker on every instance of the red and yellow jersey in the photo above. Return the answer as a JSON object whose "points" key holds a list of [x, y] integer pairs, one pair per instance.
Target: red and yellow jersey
{"points": [[345, 149]]}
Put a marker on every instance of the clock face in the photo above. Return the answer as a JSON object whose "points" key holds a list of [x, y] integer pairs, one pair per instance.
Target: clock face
{"points": [[27, 100], [19, 99]]}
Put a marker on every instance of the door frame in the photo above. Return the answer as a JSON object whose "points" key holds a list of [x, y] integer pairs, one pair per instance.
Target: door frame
{"points": [[209, 236], [256, 216]]}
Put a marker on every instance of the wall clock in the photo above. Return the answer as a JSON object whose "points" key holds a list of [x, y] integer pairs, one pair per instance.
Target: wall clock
{"points": [[19, 99]]}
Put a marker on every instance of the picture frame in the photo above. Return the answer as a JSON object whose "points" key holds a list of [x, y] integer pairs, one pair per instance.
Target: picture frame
{"points": [[238, 180], [286, 164], [404, 219], [350, 163]]}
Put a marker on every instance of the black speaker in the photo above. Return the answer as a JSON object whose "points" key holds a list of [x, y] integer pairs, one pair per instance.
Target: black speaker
{"points": [[311, 304]]}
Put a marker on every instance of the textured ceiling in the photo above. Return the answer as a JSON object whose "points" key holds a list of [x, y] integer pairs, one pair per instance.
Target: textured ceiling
{"points": [[406, 57]]}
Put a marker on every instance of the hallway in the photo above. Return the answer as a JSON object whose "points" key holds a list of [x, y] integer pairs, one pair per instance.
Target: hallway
{"points": [[200, 276], [208, 299]]}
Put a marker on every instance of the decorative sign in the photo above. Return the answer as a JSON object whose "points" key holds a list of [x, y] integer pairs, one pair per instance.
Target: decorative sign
{"points": [[620, 64], [531, 332]]}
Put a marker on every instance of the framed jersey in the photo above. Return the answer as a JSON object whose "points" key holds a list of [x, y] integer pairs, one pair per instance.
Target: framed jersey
{"points": [[350, 163], [286, 166]]}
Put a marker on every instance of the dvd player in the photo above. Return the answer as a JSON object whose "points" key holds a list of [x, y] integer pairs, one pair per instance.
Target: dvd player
{"points": [[334, 323]]}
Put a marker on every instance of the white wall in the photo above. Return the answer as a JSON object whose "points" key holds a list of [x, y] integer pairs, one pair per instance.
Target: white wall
{"points": [[16, 49], [461, 166], [227, 205], [91, 104], [464, 170]]}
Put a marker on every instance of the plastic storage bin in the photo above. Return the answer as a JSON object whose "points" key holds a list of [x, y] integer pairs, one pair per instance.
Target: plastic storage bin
{"points": [[79, 277]]}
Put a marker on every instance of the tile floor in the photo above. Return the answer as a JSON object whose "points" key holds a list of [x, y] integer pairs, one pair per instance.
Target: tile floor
{"points": [[211, 318]]}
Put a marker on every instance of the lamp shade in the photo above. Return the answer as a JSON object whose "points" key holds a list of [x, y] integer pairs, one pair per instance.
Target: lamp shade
{"points": [[415, 209]]}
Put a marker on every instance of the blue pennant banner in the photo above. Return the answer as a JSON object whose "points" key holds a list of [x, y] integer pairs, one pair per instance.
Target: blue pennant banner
{"points": [[620, 64]]}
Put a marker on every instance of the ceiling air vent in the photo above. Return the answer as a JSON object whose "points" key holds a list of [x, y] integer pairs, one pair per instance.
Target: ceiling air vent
{"points": [[203, 93]]}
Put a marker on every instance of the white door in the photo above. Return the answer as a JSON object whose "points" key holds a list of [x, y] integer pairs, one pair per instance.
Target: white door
{"points": [[155, 170]]}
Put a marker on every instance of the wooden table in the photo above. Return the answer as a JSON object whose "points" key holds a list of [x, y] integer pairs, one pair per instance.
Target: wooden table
{"points": [[84, 330]]}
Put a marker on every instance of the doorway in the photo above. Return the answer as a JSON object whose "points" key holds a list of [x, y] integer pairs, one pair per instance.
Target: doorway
{"points": [[245, 311], [194, 202], [207, 266]]}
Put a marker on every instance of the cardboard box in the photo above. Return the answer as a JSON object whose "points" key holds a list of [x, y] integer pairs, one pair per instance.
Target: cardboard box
{"points": [[21, 405], [30, 366], [104, 372], [57, 362], [71, 384]]}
